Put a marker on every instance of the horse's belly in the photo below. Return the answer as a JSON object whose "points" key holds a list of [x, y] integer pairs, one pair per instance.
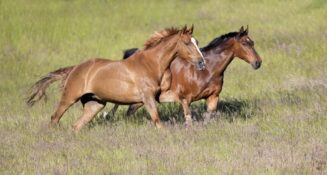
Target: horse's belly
{"points": [[115, 85], [117, 91]]}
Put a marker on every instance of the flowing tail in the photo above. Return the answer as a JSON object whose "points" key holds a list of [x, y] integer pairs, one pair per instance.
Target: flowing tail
{"points": [[39, 88]]}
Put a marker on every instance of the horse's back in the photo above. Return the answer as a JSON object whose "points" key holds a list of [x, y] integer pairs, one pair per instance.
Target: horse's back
{"points": [[81, 75]]}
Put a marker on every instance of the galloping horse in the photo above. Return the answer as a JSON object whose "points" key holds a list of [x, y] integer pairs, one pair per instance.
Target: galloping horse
{"points": [[136, 80], [189, 85]]}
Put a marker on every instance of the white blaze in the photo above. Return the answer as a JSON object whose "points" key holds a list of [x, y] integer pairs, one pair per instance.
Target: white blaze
{"points": [[197, 48]]}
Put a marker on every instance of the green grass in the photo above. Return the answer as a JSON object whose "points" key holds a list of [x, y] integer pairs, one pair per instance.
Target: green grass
{"points": [[272, 121]]}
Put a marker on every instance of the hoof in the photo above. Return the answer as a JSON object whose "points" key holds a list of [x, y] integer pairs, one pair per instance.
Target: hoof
{"points": [[207, 118], [76, 128], [53, 124], [188, 123], [158, 125], [106, 115]]}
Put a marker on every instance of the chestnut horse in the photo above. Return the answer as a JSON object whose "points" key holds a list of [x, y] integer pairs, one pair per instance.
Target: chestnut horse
{"points": [[189, 85], [136, 80]]}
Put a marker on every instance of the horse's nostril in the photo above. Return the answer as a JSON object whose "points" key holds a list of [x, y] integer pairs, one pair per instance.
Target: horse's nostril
{"points": [[258, 64]]}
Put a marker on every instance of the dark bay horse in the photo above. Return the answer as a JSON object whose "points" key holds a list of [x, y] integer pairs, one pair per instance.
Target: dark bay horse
{"points": [[132, 81], [184, 84]]}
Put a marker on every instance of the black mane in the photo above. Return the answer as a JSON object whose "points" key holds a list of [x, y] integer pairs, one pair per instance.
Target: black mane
{"points": [[129, 52], [218, 41]]}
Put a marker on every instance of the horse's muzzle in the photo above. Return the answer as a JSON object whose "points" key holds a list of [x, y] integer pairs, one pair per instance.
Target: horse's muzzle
{"points": [[256, 64], [200, 65]]}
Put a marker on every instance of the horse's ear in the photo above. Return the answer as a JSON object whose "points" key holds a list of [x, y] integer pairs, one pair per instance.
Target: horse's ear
{"points": [[191, 30], [240, 32], [247, 30], [184, 29]]}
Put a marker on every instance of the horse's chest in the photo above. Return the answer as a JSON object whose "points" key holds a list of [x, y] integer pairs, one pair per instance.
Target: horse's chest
{"points": [[213, 87]]}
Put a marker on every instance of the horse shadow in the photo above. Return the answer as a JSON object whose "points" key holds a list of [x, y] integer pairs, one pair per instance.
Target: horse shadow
{"points": [[228, 109]]}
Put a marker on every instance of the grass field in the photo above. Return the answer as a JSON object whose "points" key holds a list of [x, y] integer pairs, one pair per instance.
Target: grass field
{"points": [[272, 121]]}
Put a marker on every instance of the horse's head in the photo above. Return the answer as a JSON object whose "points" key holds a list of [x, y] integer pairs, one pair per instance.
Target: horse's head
{"points": [[244, 48], [188, 49]]}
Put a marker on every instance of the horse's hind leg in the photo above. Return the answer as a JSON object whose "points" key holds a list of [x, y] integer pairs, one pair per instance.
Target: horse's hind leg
{"points": [[133, 108], [91, 108], [112, 112], [65, 102]]}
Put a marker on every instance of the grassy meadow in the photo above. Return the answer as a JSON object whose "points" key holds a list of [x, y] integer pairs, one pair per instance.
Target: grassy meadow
{"points": [[272, 120]]}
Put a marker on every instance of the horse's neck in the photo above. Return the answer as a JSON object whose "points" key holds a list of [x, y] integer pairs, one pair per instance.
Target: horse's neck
{"points": [[219, 61], [163, 55]]}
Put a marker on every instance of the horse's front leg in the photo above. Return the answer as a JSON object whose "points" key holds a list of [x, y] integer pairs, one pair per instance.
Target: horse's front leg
{"points": [[151, 107], [187, 112], [165, 81], [212, 103]]}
